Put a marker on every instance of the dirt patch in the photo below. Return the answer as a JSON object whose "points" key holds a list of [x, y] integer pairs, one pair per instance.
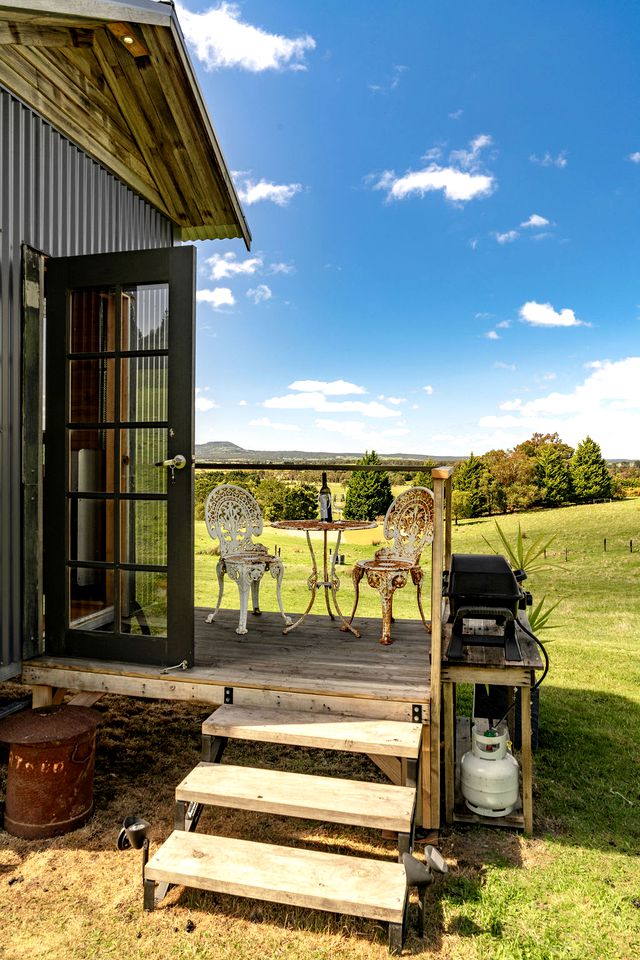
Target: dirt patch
{"points": [[77, 896]]}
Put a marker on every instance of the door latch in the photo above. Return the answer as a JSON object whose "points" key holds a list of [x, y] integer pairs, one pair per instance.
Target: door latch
{"points": [[175, 463]]}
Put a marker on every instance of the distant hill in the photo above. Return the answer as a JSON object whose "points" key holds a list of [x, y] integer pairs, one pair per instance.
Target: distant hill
{"points": [[223, 451]]}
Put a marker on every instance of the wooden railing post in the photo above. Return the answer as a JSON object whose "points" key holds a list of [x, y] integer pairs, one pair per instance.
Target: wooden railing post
{"points": [[441, 553]]}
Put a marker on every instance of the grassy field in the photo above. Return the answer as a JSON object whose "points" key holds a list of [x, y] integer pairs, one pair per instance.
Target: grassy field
{"points": [[570, 893]]}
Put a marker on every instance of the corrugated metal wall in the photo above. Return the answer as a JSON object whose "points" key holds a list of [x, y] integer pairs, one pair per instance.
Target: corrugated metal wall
{"points": [[58, 200]]}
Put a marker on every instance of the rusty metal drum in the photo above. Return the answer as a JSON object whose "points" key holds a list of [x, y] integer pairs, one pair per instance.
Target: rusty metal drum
{"points": [[50, 776]]}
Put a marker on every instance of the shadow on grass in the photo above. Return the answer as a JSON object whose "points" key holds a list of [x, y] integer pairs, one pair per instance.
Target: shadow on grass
{"points": [[587, 777]]}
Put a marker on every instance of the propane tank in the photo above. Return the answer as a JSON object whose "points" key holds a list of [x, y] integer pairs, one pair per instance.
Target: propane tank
{"points": [[489, 775]]}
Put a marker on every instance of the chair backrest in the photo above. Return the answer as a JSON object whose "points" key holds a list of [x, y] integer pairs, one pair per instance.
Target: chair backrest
{"points": [[409, 523], [233, 516]]}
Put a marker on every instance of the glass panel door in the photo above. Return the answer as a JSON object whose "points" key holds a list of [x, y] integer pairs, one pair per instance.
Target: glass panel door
{"points": [[118, 530]]}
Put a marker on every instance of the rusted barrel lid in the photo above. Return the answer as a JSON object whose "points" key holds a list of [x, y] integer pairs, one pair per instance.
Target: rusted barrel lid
{"points": [[48, 725]]}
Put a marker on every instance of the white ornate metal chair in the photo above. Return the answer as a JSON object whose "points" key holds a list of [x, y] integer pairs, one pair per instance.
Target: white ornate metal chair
{"points": [[233, 517], [409, 523]]}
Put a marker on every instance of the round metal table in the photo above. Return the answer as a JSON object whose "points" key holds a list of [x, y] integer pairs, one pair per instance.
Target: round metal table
{"points": [[330, 582]]}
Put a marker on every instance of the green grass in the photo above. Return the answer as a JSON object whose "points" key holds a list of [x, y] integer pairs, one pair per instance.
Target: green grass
{"points": [[574, 890]]}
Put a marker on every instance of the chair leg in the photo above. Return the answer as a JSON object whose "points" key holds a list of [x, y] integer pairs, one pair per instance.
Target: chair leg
{"points": [[220, 575], [243, 579], [277, 572], [255, 598], [356, 575], [417, 576], [386, 582]]}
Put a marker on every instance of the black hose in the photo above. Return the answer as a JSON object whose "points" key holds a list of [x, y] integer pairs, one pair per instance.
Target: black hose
{"points": [[494, 726]]}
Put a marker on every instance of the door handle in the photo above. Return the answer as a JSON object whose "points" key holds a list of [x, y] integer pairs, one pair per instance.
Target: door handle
{"points": [[175, 463]]}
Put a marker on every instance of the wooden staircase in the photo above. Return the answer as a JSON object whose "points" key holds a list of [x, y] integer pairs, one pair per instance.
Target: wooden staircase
{"points": [[362, 887]]}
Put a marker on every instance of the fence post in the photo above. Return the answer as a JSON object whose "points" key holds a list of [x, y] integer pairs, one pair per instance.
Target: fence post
{"points": [[605, 544], [566, 554]]}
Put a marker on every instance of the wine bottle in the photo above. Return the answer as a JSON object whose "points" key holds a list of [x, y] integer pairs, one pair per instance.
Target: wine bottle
{"points": [[325, 500]]}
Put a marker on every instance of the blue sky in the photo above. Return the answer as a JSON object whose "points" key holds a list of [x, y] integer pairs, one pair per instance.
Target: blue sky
{"points": [[444, 199]]}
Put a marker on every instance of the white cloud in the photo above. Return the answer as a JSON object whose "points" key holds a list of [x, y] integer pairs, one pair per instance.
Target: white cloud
{"points": [[503, 325], [218, 297], [605, 406], [428, 389], [285, 268], [468, 159], [550, 376], [396, 400], [392, 83], [256, 191], [220, 38], [204, 403], [336, 388], [242, 403], [507, 237], [635, 157], [457, 185], [543, 315], [535, 220], [223, 265], [461, 181], [501, 365], [455, 115], [492, 335], [267, 422], [548, 160], [318, 401], [260, 294]]}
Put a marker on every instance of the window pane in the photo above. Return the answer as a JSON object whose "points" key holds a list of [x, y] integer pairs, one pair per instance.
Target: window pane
{"points": [[144, 388], [91, 530], [140, 450], [92, 320], [143, 603], [143, 532], [91, 385], [90, 599], [91, 461], [145, 317]]}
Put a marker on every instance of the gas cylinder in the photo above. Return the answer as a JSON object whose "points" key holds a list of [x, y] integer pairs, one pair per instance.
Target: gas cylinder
{"points": [[489, 775]]}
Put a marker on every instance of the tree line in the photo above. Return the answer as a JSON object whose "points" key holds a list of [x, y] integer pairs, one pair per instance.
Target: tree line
{"points": [[543, 471]]}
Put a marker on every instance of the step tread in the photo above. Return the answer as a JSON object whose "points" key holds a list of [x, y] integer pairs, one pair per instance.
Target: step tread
{"points": [[398, 738], [378, 805], [289, 875]]}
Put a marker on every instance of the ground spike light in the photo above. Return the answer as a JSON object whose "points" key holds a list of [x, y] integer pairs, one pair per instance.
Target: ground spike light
{"points": [[421, 875], [133, 836]]}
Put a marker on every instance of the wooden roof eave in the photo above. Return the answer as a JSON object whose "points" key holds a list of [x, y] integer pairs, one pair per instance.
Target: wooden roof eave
{"points": [[190, 233]]}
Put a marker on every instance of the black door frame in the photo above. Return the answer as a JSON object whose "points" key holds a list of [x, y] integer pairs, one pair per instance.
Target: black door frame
{"points": [[175, 266]]}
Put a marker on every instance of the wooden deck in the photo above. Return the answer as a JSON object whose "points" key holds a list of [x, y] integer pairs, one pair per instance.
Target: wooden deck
{"points": [[316, 667]]}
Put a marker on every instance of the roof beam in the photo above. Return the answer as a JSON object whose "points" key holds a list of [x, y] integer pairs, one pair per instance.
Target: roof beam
{"points": [[34, 35]]}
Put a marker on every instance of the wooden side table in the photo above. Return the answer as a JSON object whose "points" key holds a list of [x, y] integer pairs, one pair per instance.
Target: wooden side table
{"points": [[487, 665]]}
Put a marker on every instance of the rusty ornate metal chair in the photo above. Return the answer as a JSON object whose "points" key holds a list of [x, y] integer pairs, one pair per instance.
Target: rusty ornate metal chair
{"points": [[409, 524], [233, 518]]}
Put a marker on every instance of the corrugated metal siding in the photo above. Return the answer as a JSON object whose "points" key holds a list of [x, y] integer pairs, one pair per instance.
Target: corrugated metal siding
{"points": [[58, 200]]}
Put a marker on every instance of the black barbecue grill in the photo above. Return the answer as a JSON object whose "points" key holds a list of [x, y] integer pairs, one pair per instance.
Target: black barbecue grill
{"points": [[484, 587]]}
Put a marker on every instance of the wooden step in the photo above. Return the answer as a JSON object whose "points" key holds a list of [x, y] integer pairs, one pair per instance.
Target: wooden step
{"points": [[378, 805], [289, 875], [396, 738]]}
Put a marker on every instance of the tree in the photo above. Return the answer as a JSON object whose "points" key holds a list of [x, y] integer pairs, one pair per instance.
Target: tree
{"points": [[589, 473], [369, 492], [460, 506], [469, 477], [423, 478], [300, 502], [553, 475]]}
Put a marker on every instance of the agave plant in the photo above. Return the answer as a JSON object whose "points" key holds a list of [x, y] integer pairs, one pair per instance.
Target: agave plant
{"points": [[522, 556], [529, 557]]}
